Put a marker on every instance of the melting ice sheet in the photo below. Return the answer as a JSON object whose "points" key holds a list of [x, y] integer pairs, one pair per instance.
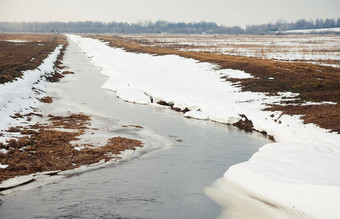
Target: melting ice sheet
{"points": [[299, 172]]}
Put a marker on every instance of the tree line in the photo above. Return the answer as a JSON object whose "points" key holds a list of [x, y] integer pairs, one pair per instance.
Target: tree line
{"points": [[164, 27]]}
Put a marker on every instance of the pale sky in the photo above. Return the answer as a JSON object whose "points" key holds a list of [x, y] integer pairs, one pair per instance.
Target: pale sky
{"points": [[223, 12]]}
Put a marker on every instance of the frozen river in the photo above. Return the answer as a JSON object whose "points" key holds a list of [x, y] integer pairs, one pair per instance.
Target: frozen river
{"points": [[165, 183]]}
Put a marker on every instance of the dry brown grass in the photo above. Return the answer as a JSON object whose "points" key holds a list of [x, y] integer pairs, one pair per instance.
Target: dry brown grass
{"points": [[43, 148], [312, 82], [18, 57], [46, 99], [326, 116]]}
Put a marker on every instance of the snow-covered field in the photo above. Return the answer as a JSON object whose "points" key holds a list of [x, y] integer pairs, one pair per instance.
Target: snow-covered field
{"points": [[324, 50], [298, 172]]}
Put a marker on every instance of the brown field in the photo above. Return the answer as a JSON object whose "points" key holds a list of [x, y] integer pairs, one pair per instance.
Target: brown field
{"points": [[16, 57], [313, 82], [43, 148]]}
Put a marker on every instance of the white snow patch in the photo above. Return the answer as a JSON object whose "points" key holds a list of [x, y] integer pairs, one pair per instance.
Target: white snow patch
{"points": [[299, 172], [318, 103], [3, 151], [16, 41], [231, 73], [3, 166]]}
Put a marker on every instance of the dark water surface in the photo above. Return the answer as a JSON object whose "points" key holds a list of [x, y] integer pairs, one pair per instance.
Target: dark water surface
{"points": [[160, 184]]}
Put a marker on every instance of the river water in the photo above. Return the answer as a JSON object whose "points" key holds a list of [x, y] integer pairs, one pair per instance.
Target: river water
{"points": [[165, 183]]}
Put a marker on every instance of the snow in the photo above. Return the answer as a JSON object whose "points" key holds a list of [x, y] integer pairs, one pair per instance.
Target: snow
{"points": [[18, 96], [2, 166], [16, 41], [305, 175], [231, 73], [3, 151], [322, 30], [299, 172]]}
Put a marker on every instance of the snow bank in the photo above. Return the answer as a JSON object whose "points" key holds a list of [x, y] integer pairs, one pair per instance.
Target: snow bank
{"points": [[299, 172], [299, 176], [20, 95]]}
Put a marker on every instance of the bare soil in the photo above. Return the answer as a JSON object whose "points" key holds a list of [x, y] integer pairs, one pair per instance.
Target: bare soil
{"points": [[312, 82]]}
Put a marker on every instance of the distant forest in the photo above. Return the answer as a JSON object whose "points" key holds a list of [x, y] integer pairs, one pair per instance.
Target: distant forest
{"points": [[164, 27]]}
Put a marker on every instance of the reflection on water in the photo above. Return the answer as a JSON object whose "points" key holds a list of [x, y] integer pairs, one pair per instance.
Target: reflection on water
{"points": [[161, 184]]}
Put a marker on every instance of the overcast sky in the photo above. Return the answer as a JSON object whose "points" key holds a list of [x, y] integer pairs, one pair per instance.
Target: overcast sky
{"points": [[226, 12]]}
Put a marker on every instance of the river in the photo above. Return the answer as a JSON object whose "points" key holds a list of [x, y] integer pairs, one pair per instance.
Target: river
{"points": [[164, 183]]}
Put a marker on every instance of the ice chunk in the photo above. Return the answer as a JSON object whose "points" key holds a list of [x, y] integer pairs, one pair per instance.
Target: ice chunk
{"points": [[133, 95], [196, 115]]}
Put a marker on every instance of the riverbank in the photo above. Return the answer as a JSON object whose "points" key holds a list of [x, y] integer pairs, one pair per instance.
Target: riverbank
{"points": [[279, 173]]}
